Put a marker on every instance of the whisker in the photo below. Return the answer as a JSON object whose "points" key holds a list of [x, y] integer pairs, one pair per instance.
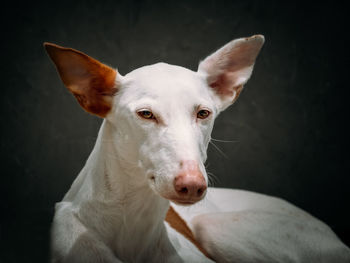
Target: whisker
{"points": [[217, 140], [212, 179], [206, 165], [218, 149]]}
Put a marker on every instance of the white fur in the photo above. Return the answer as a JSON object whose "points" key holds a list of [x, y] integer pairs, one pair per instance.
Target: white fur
{"points": [[115, 209]]}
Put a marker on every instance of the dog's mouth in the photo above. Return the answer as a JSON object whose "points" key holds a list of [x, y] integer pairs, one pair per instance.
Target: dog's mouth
{"points": [[179, 201], [183, 202]]}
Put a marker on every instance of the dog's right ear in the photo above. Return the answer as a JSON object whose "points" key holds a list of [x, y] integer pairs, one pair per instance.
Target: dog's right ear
{"points": [[91, 82], [230, 67]]}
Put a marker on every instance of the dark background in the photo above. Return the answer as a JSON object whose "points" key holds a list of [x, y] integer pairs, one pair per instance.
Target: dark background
{"points": [[289, 125]]}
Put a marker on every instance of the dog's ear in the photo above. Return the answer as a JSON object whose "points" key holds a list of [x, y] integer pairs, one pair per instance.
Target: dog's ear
{"points": [[230, 67], [91, 82]]}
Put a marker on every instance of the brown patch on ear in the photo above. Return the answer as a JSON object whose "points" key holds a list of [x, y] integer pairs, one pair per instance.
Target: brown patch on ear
{"points": [[223, 81], [238, 92], [91, 82], [220, 84]]}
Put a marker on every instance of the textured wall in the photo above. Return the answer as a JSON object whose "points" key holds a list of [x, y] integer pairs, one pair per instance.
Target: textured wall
{"points": [[289, 125]]}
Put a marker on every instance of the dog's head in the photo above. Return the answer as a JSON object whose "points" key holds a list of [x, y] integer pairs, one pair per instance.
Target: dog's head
{"points": [[162, 114]]}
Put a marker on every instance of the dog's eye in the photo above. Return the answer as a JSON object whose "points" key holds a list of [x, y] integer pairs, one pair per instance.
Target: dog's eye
{"points": [[203, 114], [146, 114]]}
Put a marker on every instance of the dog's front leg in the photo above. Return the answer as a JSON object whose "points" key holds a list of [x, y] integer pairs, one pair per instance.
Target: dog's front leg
{"points": [[88, 249], [73, 242]]}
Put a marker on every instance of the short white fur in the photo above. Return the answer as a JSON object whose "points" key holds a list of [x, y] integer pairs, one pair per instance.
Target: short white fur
{"points": [[115, 209]]}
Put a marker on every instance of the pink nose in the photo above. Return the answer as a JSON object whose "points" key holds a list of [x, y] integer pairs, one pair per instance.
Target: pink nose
{"points": [[190, 184]]}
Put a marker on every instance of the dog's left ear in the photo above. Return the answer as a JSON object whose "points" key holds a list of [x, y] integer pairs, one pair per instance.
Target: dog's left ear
{"points": [[229, 68], [92, 83]]}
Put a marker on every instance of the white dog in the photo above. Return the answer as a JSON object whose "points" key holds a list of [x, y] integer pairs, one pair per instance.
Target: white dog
{"points": [[127, 204]]}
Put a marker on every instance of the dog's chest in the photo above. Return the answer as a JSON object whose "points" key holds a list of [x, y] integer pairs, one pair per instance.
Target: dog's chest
{"points": [[135, 246], [133, 232]]}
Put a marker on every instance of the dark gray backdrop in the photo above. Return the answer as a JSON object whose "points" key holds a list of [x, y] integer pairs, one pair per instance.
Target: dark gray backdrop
{"points": [[289, 123]]}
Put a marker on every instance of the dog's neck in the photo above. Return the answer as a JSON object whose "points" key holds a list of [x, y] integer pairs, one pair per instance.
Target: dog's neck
{"points": [[120, 193], [109, 176]]}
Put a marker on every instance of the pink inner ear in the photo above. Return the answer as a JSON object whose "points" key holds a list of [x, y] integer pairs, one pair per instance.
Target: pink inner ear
{"points": [[223, 85], [229, 68]]}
